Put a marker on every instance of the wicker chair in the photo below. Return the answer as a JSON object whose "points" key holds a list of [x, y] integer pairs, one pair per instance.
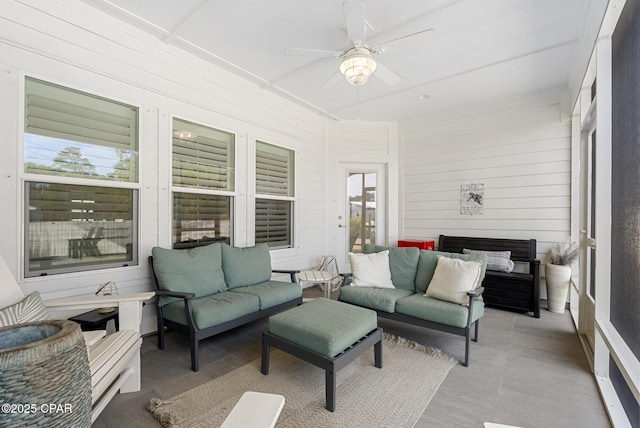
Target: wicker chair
{"points": [[114, 359]]}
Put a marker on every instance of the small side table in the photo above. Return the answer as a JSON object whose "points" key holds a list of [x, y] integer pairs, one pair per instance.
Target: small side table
{"points": [[94, 320]]}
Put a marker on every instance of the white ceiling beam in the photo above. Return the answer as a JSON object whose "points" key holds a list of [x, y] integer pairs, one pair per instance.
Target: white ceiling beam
{"points": [[182, 23]]}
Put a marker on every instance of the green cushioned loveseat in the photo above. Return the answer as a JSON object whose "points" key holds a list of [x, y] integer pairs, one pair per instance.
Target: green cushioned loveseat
{"points": [[411, 272], [206, 290]]}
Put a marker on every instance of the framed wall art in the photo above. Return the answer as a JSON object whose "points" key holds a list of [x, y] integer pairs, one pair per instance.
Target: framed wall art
{"points": [[472, 199]]}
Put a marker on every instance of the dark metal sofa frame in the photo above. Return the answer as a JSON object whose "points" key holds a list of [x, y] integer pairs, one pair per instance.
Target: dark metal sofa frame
{"points": [[460, 331], [197, 334]]}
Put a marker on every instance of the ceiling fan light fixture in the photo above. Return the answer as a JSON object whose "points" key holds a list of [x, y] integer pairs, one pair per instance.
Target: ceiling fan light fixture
{"points": [[357, 68]]}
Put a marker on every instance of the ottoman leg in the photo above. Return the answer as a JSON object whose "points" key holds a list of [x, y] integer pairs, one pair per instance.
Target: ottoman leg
{"points": [[377, 353], [330, 386], [265, 354]]}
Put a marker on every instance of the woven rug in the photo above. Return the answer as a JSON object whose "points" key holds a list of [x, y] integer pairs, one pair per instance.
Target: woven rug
{"points": [[394, 396]]}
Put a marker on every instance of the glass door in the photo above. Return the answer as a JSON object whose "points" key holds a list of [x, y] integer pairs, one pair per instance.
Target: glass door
{"points": [[588, 236], [361, 188], [361, 210]]}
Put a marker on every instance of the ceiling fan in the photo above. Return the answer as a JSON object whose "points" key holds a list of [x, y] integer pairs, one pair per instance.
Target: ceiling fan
{"points": [[358, 62]]}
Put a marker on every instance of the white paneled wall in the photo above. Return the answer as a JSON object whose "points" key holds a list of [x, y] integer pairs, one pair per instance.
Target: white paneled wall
{"points": [[72, 44], [360, 145], [520, 154]]}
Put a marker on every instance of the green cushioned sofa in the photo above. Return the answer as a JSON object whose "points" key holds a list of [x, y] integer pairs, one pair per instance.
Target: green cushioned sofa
{"points": [[411, 273], [206, 290]]}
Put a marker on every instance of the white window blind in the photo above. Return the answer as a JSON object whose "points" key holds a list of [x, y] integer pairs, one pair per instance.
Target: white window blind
{"points": [[273, 222], [274, 195], [274, 170], [72, 133], [73, 227], [200, 219], [203, 157]]}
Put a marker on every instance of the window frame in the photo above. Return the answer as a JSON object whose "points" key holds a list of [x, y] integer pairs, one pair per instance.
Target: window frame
{"points": [[30, 177], [271, 197], [231, 194], [135, 233]]}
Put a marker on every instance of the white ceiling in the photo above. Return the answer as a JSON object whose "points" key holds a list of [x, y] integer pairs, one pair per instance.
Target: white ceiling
{"points": [[481, 53]]}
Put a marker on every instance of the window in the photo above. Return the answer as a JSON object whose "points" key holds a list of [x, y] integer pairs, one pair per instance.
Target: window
{"points": [[274, 195], [74, 134], [79, 227], [203, 176], [93, 224]]}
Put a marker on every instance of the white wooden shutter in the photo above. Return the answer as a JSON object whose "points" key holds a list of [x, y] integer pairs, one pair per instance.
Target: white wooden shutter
{"points": [[203, 157], [66, 117], [274, 195]]}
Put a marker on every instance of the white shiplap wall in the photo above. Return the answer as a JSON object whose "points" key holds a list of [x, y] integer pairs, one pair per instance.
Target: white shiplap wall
{"points": [[75, 45], [360, 145], [522, 156]]}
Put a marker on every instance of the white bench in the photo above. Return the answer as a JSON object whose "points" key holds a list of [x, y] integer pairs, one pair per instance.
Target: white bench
{"points": [[114, 360], [256, 410]]}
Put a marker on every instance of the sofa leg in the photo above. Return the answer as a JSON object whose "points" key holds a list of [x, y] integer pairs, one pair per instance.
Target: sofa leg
{"points": [[160, 334], [266, 354], [195, 362], [466, 346], [476, 333]]}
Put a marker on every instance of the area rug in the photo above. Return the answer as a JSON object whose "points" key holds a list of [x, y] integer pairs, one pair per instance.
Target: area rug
{"points": [[394, 396]]}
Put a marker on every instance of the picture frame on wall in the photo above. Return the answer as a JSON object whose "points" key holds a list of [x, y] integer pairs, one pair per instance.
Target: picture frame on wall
{"points": [[472, 199]]}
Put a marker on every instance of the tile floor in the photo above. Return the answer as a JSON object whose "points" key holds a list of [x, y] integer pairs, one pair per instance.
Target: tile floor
{"points": [[524, 371]]}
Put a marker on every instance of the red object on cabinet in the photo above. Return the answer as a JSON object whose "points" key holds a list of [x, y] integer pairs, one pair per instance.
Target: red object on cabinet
{"points": [[423, 245]]}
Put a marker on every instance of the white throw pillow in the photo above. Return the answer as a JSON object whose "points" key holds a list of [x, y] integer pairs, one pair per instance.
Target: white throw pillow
{"points": [[453, 278], [371, 270], [496, 260]]}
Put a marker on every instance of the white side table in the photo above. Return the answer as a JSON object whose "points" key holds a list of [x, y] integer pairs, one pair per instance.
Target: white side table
{"points": [[317, 277], [255, 410]]}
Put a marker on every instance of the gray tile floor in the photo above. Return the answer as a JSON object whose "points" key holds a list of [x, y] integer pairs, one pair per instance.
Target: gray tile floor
{"points": [[523, 371]]}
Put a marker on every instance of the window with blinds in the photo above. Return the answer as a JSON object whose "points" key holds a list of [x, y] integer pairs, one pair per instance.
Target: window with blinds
{"points": [[203, 158], [274, 195], [71, 227], [75, 134], [201, 219]]}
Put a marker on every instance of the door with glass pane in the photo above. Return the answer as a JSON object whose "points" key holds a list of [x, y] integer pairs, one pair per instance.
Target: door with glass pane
{"points": [[362, 213], [588, 235]]}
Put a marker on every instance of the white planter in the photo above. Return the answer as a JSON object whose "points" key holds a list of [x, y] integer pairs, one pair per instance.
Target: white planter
{"points": [[558, 279]]}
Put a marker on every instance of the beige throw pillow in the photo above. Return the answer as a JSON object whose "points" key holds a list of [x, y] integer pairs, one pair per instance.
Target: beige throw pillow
{"points": [[371, 270], [452, 279]]}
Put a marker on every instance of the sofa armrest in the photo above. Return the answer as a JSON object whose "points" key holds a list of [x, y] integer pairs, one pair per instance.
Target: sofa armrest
{"points": [[476, 292], [346, 278], [178, 294], [292, 273]]}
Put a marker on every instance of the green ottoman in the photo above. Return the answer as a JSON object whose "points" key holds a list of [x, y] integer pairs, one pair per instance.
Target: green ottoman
{"points": [[327, 334]]}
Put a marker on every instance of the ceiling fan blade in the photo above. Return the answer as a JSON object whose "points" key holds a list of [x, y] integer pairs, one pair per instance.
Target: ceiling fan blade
{"points": [[334, 80], [406, 36], [354, 19], [312, 52], [386, 75]]}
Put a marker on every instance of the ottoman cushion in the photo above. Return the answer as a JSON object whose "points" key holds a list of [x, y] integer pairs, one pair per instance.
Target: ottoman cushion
{"points": [[325, 326]]}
